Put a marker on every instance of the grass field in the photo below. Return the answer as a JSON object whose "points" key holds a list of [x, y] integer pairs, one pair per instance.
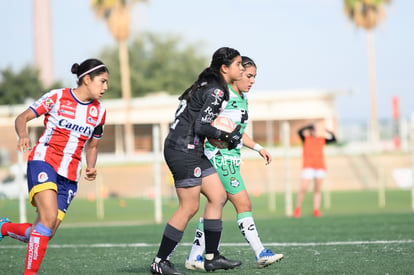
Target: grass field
{"points": [[354, 236]]}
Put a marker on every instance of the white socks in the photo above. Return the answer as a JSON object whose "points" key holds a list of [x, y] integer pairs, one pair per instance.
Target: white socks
{"points": [[248, 229], [199, 244]]}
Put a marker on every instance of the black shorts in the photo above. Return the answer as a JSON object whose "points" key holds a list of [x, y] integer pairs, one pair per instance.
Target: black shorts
{"points": [[188, 168]]}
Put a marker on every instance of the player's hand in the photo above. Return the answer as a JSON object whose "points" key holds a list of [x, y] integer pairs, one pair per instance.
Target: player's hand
{"points": [[90, 174], [266, 156], [234, 138], [23, 144]]}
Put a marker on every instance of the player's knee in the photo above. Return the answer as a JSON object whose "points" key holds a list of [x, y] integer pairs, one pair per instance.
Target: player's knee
{"points": [[191, 210], [218, 200], [222, 199], [241, 204], [245, 207], [248, 206], [49, 220]]}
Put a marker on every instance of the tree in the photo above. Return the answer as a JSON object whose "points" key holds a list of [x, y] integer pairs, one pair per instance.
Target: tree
{"points": [[17, 87], [367, 14], [157, 63], [116, 15]]}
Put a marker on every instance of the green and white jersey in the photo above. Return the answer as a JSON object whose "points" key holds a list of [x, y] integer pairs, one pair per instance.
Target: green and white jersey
{"points": [[236, 110]]}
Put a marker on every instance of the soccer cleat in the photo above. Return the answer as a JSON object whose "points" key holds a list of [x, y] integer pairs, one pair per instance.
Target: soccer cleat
{"points": [[3, 221], [220, 262], [164, 267], [267, 257], [197, 264], [296, 214], [317, 213]]}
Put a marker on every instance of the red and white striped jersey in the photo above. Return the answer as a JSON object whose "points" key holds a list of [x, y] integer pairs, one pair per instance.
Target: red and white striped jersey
{"points": [[69, 123]]}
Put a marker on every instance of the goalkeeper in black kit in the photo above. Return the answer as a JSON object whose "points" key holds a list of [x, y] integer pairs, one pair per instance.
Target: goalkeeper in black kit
{"points": [[193, 173]]}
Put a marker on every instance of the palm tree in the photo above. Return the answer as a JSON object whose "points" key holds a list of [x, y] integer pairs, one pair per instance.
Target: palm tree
{"points": [[116, 15], [42, 42], [367, 14]]}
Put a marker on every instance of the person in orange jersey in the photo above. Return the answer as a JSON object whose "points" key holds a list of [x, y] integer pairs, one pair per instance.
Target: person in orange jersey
{"points": [[313, 167]]}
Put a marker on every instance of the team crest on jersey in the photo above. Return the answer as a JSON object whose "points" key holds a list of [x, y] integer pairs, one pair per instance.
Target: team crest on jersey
{"points": [[234, 182], [197, 172], [93, 111], [42, 177], [92, 118], [218, 93]]}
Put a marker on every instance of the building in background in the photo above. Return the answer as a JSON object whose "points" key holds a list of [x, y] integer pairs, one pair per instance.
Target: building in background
{"points": [[268, 111]]}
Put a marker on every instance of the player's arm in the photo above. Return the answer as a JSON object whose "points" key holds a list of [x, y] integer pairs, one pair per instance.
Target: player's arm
{"points": [[250, 143], [213, 100], [331, 139], [302, 130], [91, 158], [92, 152], [20, 125]]}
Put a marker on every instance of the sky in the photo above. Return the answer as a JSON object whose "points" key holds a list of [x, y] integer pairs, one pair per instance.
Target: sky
{"points": [[297, 45]]}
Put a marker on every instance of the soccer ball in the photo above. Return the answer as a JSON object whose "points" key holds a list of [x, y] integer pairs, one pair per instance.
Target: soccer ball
{"points": [[225, 124]]}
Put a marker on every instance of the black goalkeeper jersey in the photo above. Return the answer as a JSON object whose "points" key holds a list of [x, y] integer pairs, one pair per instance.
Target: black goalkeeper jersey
{"points": [[192, 123]]}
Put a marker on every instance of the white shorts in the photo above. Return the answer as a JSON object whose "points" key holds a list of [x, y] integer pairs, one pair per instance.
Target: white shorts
{"points": [[310, 173]]}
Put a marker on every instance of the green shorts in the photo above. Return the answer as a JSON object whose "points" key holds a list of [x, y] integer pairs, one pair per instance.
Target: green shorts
{"points": [[229, 171]]}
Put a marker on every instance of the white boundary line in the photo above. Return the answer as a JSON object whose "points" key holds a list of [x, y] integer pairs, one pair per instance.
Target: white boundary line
{"points": [[109, 245]]}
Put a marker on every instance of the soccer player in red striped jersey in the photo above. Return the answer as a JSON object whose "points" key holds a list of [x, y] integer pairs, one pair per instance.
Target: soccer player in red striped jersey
{"points": [[74, 120]]}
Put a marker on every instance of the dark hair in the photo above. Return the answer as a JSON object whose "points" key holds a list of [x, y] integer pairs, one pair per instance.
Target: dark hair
{"points": [[87, 68], [311, 127], [247, 61], [222, 56]]}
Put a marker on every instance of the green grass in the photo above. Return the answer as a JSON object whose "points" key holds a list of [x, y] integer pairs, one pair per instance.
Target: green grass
{"points": [[354, 236]]}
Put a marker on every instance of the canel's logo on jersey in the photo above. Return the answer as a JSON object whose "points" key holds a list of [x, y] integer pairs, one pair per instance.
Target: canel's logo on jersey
{"points": [[64, 123]]}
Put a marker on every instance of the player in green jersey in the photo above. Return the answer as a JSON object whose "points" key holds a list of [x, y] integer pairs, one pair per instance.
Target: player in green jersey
{"points": [[227, 163]]}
